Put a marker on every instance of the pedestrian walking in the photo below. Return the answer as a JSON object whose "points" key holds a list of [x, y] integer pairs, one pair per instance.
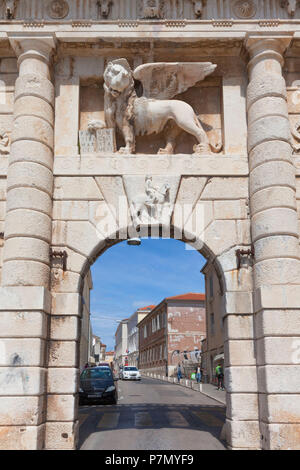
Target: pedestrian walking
{"points": [[179, 374], [220, 376], [198, 375]]}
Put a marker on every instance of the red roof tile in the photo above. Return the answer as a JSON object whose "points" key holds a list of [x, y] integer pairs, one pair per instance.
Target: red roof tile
{"points": [[188, 296], [149, 307]]}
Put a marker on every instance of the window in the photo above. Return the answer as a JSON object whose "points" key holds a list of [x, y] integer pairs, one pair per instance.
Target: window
{"points": [[103, 373], [145, 331]]}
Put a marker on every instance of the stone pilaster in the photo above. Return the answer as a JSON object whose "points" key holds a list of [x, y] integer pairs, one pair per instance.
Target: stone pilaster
{"points": [[276, 242], [24, 297]]}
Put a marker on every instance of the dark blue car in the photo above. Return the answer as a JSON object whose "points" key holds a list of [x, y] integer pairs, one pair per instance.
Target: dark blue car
{"points": [[97, 384]]}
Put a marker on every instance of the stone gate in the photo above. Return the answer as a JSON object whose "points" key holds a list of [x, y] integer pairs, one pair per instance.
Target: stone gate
{"points": [[90, 155]]}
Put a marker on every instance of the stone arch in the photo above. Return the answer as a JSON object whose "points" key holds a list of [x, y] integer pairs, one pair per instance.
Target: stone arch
{"points": [[236, 295]]}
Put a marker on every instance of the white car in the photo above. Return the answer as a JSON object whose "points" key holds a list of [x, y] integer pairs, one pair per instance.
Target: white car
{"points": [[131, 373]]}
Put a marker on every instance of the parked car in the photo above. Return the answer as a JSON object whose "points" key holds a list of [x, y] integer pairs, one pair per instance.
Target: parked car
{"points": [[97, 384], [130, 373]]}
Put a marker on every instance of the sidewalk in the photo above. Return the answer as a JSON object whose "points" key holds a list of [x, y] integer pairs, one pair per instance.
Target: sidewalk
{"points": [[206, 389], [212, 392]]}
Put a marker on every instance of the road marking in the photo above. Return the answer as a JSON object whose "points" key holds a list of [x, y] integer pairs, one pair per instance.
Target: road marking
{"points": [[142, 418], [81, 418], [109, 420], [208, 418], [175, 418]]}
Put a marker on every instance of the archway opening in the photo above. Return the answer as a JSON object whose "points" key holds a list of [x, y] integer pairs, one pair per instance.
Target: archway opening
{"points": [[156, 277]]}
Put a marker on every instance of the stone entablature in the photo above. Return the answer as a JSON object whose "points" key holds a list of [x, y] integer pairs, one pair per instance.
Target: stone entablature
{"points": [[150, 10]]}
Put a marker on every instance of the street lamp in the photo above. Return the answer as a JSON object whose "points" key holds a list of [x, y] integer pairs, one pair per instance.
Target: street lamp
{"points": [[134, 242]]}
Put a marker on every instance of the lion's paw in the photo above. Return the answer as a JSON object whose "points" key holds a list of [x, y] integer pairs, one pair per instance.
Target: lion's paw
{"points": [[201, 149], [165, 152], [125, 151]]}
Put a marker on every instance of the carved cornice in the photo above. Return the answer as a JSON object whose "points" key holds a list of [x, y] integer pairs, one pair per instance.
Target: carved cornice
{"points": [[12, 11]]}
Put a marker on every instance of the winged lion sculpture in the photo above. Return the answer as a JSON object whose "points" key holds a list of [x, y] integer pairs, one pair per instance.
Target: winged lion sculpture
{"points": [[155, 110]]}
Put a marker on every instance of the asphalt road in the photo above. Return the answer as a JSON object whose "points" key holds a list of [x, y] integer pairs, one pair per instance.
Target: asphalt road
{"points": [[153, 415]]}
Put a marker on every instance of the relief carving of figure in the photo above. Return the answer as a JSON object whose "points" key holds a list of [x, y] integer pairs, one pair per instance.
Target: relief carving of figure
{"points": [[296, 134], [4, 144], [10, 9], [291, 6], [150, 207], [198, 7], [152, 9], [104, 7], [150, 113], [58, 9]]}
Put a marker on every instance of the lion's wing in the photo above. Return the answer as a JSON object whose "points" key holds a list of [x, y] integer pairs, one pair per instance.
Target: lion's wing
{"points": [[164, 80]]}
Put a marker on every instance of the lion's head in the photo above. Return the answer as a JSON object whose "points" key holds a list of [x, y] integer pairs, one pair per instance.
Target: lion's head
{"points": [[118, 76]]}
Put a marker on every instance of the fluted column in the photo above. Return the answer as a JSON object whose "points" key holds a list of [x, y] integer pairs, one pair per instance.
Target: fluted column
{"points": [[276, 242], [25, 300], [30, 175]]}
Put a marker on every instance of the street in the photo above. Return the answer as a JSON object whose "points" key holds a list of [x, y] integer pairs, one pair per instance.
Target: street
{"points": [[153, 415]]}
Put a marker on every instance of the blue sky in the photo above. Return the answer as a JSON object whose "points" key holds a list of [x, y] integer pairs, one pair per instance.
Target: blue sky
{"points": [[127, 277]]}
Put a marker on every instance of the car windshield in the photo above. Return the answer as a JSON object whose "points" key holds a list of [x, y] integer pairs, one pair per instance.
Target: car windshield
{"points": [[102, 373], [130, 368]]}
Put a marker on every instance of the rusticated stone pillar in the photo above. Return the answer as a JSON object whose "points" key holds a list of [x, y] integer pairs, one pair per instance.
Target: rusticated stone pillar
{"points": [[25, 301], [276, 242], [30, 174]]}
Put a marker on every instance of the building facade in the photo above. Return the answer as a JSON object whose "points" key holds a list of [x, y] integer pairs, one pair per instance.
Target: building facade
{"points": [[231, 190], [86, 342], [133, 334], [102, 352], [171, 332], [109, 358], [213, 346], [96, 350], [121, 344]]}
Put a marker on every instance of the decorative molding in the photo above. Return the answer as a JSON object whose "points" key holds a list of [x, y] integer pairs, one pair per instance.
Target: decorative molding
{"points": [[81, 24], [175, 23], [244, 9], [4, 144], [61, 255], [58, 9], [155, 10], [222, 23], [269, 23], [128, 24], [33, 24]]}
